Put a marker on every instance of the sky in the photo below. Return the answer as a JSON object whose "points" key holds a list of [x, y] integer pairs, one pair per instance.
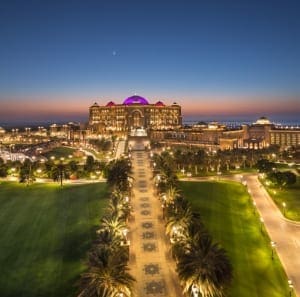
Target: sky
{"points": [[217, 59]]}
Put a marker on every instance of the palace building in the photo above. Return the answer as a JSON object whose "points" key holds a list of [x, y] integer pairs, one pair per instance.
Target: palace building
{"points": [[134, 113], [258, 135], [161, 122]]}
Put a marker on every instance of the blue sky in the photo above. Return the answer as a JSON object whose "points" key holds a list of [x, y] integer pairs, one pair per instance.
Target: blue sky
{"points": [[58, 57]]}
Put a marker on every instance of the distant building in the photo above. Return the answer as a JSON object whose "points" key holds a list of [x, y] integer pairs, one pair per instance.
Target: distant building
{"points": [[263, 133], [134, 113], [70, 131], [258, 135]]}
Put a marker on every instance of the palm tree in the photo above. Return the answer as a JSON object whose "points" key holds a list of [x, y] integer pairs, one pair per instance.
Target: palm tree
{"points": [[107, 277], [171, 194], [206, 266], [106, 238], [113, 224], [178, 223], [115, 205], [118, 174]]}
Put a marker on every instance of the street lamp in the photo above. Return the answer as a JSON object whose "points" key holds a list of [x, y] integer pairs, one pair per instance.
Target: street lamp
{"points": [[290, 286], [284, 207], [254, 206], [273, 245], [261, 223]]}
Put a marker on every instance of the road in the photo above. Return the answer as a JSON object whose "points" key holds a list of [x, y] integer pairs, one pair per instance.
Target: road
{"points": [[285, 233]]}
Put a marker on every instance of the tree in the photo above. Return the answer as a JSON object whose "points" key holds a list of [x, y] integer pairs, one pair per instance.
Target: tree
{"points": [[26, 172], [107, 239], [264, 165], [89, 164], [3, 168], [290, 178], [58, 172], [118, 174], [107, 277], [178, 223], [282, 179], [206, 266], [113, 224], [73, 166]]}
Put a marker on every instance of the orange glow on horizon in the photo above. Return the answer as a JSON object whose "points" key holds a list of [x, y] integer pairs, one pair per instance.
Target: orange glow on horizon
{"points": [[69, 106]]}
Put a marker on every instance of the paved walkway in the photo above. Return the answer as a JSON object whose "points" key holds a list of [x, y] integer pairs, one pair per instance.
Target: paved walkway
{"points": [[285, 233], [120, 149], [150, 260]]}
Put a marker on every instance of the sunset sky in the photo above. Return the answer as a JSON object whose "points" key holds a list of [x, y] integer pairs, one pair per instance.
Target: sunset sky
{"points": [[218, 59]]}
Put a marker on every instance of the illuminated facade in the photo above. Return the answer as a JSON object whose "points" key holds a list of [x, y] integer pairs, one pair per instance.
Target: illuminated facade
{"points": [[134, 113], [258, 135]]}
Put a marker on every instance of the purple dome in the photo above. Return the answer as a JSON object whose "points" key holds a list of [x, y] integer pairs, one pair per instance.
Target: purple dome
{"points": [[135, 100]]}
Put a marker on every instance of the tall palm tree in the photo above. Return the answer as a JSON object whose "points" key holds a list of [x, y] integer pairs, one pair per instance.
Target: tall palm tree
{"points": [[206, 266], [107, 277], [178, 223], [118, 206], [118, 174]]}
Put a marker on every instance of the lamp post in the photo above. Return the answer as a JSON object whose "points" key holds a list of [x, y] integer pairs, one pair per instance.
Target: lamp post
{"points": [[261, 224], [290, 286], [273, 245], [254, 206], [284, 207], [61, 168]]}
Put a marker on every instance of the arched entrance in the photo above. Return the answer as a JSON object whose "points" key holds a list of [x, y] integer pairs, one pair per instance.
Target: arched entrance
{"points": [[137, 119]]}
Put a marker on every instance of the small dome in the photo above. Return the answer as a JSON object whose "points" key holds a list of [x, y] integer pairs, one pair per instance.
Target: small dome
{"points": [[174, 103], [263, 121], [159, 103], [95, 105], [111, 103], [135, 100]]}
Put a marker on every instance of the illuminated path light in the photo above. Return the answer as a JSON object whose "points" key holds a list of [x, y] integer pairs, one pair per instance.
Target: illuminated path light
{"points": [[150, 260]]}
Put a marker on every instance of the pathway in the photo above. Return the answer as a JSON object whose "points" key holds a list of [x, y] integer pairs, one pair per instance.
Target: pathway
{"points": [[286, 234], [150, 260]]}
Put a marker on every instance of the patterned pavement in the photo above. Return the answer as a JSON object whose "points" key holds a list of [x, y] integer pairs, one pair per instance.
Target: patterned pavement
{"points": [[150, 260]]}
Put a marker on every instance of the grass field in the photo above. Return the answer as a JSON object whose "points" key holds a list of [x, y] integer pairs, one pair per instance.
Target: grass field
{"points": [[62, 152], [229, 216], [45, 234], [290, 196]]}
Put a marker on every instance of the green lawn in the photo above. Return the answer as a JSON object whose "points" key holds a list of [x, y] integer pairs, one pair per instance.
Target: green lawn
{"points": [[228, 214], [46, 232], [290, 196], [62, 152]]}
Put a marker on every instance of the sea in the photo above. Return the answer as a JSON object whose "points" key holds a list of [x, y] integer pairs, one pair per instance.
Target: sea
{"points": [[187, 120]]}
